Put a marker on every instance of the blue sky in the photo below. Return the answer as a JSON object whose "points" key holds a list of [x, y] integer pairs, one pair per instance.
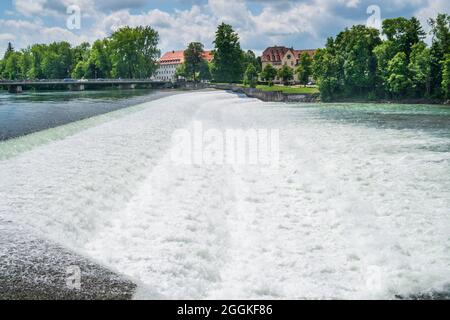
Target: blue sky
{"points": [[260, 23]]}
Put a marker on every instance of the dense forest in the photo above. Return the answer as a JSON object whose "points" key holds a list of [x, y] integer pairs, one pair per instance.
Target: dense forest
{"points": [[127, 53], [358, 63]]}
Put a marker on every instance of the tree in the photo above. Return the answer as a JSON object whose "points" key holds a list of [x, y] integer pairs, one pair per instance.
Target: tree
{"points": [[251, 76], [354, 54], [327, 72], [304, 69], [446, 76], [100, 58], [286, 74], [420, 69], [25, 62], [269, 74], [398, 81], [383, 54], [205, 71], [403, 33], [11, 68], [250, 58], [193, 59], [9, 50], [135, 52], [180, 72], [440, 46], [227, 55]]}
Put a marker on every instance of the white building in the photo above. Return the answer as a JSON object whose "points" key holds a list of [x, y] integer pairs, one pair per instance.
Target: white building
{"points": [[169, 63]]}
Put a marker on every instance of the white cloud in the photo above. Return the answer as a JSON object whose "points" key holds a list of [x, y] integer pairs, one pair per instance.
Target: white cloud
{"points": [[297, 23]]}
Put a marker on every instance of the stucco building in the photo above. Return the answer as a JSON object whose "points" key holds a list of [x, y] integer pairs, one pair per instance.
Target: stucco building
{"points": [[278, 56], [169, 63]]}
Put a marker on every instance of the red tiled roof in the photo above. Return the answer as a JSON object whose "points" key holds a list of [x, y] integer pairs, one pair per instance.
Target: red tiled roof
{"points": [[276, 54], [208, 56], [311, 52], [177, 57], [172, 57]]}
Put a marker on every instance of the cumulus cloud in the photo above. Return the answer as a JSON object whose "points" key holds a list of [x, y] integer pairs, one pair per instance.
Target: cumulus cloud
{"points": [[299, 23]]}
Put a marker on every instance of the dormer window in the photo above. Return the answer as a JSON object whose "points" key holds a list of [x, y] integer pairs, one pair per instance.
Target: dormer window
{"points": [[289, 57]]}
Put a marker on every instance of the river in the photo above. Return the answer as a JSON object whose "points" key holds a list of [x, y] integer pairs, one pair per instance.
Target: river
{"points": [[357, 207]]}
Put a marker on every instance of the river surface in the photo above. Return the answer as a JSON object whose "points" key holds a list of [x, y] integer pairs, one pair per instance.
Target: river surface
{"points": [[25, 113], [357, 207]]}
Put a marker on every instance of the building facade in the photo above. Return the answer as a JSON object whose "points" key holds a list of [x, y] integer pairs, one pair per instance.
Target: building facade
{"points": [[169, 63], [278, 56]]}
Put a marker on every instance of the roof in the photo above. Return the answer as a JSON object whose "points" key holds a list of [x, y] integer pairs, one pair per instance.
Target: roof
{"points": [[177, 57], [311, 52], [208, 56], [276, 53], [172, 57]]}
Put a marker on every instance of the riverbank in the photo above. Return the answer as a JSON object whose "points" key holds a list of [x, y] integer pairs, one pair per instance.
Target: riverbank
{"points": [[280, 96], [269, 96]]}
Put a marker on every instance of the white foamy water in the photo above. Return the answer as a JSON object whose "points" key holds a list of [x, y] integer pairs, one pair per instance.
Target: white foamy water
{"points": [[353, 211]]}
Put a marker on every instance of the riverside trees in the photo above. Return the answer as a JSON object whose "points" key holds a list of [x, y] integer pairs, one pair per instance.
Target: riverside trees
{"points": [[228, 56], [128, 53], [357, 63]]}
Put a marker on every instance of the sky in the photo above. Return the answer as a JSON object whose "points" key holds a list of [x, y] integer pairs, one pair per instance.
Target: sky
{"points": [[302, 24]]}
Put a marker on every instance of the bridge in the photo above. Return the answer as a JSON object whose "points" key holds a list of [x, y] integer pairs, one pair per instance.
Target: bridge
{"points": [[17, 86]]}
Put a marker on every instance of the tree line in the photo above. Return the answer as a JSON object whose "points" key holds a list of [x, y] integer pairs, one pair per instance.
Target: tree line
{"points": [[230, 63], [359, 63], [127, 53]]}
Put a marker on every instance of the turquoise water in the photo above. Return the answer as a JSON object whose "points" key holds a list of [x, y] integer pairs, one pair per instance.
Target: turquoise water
{"points": [[29, 112]]}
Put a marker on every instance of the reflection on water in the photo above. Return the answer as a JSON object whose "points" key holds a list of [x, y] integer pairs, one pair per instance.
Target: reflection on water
{"points": [[21, 114]]}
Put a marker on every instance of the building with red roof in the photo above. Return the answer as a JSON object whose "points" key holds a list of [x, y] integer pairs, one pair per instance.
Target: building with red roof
{"points": [[278, 56], [171, 60]]}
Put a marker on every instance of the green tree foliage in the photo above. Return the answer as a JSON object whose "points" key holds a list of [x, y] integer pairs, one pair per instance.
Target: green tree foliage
{"points": [[129, 52], [304, 69], [251, 76], [193, 59], [134, 52], [228, 57], [403, 33], [440, 30], [420, 69], [250, 58], [446, 76], [205, 70], [398, 81], [358, 63], [286, 74], [327, 72], [383, 54], [269, 74], [9, 51]]}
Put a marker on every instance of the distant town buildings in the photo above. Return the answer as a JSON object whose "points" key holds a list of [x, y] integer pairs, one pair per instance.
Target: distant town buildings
{"points": [[278, 56], [169, 63]]}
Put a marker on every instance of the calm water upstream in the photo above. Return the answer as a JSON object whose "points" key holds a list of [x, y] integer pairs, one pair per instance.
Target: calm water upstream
{"points": [[29, 112], [359, 206]]}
